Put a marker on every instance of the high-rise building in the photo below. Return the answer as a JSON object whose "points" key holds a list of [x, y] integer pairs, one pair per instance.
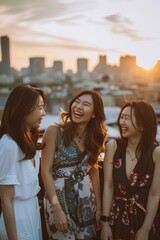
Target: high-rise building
{"points": [[5, 64], [82, 65], [101, 67], [37, 66], [127, 62], [58, 66], [102, 60], [128, 70]]}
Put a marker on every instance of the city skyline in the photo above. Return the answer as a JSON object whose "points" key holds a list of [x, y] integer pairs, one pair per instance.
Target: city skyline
{"points": [[69, 29]]}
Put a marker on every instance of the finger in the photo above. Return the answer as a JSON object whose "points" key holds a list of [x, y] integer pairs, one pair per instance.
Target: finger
{"points": [[64, 227], [56, 226], [110, 238]]}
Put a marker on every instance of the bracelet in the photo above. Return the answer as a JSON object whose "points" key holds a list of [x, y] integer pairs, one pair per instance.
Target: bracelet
{"points": [[105, 218]]}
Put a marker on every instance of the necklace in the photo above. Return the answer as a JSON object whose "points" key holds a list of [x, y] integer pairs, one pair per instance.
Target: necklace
{"points": [[132, 158], [80, 138]]}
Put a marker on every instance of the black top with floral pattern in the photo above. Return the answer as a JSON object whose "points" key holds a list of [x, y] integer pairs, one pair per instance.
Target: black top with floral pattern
{"points": [[129, 201]]}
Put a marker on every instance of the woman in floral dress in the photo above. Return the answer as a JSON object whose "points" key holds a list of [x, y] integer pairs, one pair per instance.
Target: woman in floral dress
{"points": [[69, 172], [132, 177]]}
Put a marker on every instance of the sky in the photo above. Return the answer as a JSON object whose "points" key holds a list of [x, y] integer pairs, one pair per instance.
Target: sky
{"points": [[69, 29]]}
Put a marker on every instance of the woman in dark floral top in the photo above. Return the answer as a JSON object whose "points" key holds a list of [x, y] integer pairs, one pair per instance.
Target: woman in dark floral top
{"points": [[132, 177]]}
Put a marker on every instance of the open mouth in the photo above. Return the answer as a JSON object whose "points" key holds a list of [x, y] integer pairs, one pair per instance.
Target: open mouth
{"points": [[78, 114], [40, 120], [124, 130]]}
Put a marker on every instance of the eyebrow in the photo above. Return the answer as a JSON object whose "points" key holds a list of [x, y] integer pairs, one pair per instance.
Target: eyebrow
{"points": [[40, 104], [88, 102], [128, 115]]}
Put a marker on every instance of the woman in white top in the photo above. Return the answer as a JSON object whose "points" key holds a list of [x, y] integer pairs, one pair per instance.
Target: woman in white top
{"points": [[19, 164]]}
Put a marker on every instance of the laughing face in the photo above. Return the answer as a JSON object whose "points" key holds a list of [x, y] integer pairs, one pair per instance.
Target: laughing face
{"points": [[82, 109], [34, 118], [128, 123]]}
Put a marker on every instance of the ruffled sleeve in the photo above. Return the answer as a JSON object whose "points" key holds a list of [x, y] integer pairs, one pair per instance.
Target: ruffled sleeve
{"points": [[9, 160]]}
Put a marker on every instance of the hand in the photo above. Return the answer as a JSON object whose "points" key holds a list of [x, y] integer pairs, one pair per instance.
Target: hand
{"points": [[60, 219], [106, 233], [142, 234]]}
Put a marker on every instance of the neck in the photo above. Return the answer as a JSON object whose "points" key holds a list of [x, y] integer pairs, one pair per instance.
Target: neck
{"points": [[131, 149], [133, 143], [80, 131], [132, 146], [80, 134]]}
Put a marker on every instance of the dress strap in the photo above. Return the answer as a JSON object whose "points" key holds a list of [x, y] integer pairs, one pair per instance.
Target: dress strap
{"points": [[59, 135]]}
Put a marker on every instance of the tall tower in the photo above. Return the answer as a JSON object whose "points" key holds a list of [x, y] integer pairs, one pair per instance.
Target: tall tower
{"points": [[127, 61], [58, 66], [37, 65], [5, 64], [82, 65], [102, 60]]}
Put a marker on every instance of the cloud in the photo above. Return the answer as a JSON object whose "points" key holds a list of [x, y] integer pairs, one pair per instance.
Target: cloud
{"points": [[116, 18], [61, 43], [33, 10], [45, 9], [71, 19], [124, 27]]}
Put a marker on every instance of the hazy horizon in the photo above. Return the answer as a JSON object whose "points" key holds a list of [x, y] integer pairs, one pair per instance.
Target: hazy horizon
{"points": [[69, 29]]}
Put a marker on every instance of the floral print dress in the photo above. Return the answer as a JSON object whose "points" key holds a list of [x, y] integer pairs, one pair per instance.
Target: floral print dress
{"points": [[129, 202], [74, 191]]}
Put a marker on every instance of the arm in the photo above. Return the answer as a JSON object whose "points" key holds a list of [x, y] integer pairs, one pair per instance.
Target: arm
{"points": [[108, 188], [153, 198], [47, 157], [94, 174], [7, 193]]}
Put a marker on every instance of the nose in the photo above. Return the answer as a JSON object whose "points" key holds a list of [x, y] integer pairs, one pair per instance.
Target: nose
{"points": [[79, 105], [122, 121], [43, 113]]}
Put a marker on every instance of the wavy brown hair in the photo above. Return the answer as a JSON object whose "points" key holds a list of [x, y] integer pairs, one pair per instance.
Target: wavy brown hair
{"points": [[21, 101], [146, 119], [96, 133]]}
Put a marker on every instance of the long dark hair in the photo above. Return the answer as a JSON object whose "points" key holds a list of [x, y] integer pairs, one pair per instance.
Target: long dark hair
{"points": [[147, 121], [96, 128], [21, 101]]}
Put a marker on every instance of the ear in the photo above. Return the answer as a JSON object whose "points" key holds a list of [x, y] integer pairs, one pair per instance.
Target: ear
{"points": [[93, 116]]}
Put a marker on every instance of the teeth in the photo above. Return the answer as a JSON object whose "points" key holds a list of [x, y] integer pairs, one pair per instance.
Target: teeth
{"points": [[124, 129], [78, 113]]}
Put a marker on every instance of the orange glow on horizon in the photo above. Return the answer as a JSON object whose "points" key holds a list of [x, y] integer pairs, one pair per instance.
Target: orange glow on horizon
{"points": [[69, 57]]}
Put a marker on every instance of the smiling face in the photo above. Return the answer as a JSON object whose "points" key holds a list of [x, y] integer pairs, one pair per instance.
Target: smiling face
{"points": [[128, 124], [34, 118], [82, 109]]}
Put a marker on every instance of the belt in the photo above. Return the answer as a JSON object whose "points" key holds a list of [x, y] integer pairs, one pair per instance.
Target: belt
{"points": [[131, 201]]}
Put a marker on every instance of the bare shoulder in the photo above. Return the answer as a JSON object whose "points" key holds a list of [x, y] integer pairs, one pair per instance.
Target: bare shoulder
{"points": [[111, 145], [50, 132], [52, 129], [156, 155], [109, 151]]}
